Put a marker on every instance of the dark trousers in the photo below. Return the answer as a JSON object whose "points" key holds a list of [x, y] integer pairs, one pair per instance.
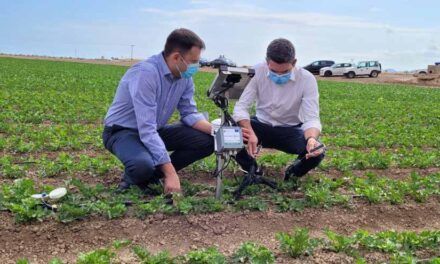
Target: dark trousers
{"points": [[287, 139], [188, 145]]}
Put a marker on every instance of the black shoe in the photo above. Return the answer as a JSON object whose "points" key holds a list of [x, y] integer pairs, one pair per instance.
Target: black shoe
{"points": [[290, 176], [123, 185], [290, 171]]}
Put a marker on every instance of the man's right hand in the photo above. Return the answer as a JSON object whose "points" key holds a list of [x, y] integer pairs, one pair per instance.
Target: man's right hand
{"points": [[249, 136], [171, 179], [172, 184], [252, 145]]}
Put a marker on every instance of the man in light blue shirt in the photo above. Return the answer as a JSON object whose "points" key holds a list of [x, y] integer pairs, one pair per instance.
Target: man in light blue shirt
{"points": [[136, 129]]}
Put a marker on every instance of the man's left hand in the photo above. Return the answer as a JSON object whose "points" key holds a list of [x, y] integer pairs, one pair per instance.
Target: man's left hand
{"points": [[311, 144]]}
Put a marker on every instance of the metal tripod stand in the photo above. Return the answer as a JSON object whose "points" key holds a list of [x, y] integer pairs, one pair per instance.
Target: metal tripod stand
{"points": [[223, 157]]}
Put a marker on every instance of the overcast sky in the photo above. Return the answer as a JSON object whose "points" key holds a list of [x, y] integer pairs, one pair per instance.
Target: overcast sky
{"points": [[401, 34]]}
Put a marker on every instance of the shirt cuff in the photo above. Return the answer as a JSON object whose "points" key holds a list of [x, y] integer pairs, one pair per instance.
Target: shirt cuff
{"points": [[241, 116], [313, 123], [162, 159], [192, 119]]}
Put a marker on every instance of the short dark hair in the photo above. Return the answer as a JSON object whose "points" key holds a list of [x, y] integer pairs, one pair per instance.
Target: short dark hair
{"points": [[182, 40], [281, 51]]}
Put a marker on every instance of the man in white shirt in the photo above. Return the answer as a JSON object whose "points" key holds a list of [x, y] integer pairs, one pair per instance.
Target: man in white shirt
{"points": [[287, 111]]}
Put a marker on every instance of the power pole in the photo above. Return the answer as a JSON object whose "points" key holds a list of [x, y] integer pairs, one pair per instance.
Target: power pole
{"points": [[132, 46]]}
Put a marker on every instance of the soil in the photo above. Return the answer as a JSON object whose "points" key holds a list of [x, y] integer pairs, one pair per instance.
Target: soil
{"points": [[39, 242], [388, 78]]}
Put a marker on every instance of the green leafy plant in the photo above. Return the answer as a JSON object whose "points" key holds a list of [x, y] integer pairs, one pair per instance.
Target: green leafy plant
{"points": [[16, 197], [55, 261], [118, 244], [189, 204], [339, 243], [99, 256], [297, 243], [252, 253], [111, 210], [205, 256], [252, 203], [156, 205], [147, 258], [285, 204]]}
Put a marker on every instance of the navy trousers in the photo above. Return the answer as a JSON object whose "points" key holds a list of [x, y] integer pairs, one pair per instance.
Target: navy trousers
{"points": [[187, 145], [287, 139]]}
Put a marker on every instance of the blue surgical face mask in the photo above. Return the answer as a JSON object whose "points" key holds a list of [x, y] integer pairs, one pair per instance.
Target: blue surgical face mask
{"points": [[191, 69], [280, 78]]}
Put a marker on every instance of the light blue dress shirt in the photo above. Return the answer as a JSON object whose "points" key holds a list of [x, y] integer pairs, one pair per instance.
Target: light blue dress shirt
{"points": [[146, 97]]}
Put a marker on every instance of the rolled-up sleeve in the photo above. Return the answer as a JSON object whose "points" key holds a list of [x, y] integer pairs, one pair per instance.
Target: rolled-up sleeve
{"points": [[187, 107], [143, 89], [309, 109], [247, 98]]}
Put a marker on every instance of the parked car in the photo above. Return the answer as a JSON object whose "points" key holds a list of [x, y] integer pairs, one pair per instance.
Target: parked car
{"points": [[335, 70], [316, 66], [364, 68], [222, 60], [204, 62], [437, 63]]}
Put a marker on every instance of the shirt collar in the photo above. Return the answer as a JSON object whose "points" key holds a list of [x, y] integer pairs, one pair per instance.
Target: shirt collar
{"points": [[293, 75], [163, 65]]}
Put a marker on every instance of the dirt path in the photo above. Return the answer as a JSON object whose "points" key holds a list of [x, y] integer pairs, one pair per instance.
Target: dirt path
{"points": [[388, 78], [179, 234], [203, 177]]}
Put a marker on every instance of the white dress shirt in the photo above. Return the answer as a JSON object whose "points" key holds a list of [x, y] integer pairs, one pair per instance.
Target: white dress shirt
{"points": [[289, 104]]}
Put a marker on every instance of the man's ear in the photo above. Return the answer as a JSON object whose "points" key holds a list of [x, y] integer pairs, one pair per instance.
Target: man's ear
{"points": [[175, 56], [294, 62]]}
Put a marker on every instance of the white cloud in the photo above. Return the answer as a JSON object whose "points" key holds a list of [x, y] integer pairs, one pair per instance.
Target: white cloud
{"points": [[288, 18], [240, 12], [243, 32]]}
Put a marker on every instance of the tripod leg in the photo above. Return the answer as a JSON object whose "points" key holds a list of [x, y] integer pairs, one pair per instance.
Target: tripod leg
{"points": [[248, 179], [272, 184], [219, 177]]}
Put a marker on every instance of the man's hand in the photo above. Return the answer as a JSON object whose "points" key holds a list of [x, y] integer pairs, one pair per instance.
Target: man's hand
{"points": [[171, 180], [171, 184], [249, 137], [311, 144], [252, 141]]}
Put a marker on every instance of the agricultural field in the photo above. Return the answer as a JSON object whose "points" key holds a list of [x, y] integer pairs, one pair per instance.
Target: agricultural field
{"points": [[374, 199]]}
